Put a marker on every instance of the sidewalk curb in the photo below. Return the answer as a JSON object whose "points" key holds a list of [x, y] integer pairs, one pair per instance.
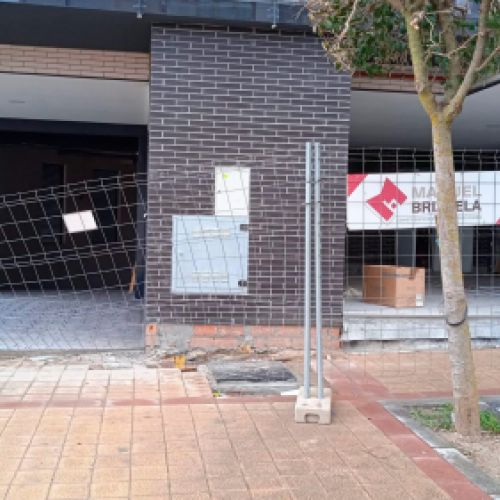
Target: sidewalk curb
{"points": [[400, 410]]}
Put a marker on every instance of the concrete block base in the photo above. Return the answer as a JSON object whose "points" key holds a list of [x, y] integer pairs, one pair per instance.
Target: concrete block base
{"points": [[314, 409]]}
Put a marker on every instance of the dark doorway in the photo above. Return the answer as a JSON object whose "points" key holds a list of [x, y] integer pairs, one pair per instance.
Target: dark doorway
{"points": [[72, 208]]}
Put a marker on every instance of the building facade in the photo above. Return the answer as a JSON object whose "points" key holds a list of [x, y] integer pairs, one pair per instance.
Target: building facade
{"points": [[122, 123], [233, 93]]}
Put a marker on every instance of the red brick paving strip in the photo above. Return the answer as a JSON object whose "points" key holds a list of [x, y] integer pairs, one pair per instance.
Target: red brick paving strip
{"points": [[367, 388]]}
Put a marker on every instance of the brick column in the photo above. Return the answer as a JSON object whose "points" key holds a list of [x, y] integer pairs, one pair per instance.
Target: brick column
{"points": [[221, 97]]}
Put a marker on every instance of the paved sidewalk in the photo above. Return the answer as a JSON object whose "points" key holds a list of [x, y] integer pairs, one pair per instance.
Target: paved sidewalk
{"points": [[30, 384], [67, 431], [425, 373]]}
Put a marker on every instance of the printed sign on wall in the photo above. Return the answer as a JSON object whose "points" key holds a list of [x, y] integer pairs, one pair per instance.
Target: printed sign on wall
{"points": [[408, 200]]}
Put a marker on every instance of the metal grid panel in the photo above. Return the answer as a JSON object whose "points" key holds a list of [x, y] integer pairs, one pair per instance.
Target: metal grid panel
{"points": [[65, 285], [399, 244]]}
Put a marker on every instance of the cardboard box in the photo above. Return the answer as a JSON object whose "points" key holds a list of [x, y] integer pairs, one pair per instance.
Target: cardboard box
{"points": [[394, 286]]}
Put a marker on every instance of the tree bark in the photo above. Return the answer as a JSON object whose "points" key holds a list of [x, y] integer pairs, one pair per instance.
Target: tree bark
{"points": [[465, 395]]}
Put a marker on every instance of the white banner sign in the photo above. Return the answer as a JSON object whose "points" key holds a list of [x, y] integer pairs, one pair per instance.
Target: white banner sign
{"points": [[408, 200]]}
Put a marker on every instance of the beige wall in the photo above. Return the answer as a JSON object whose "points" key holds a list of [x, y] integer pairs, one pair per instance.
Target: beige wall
{"points": [[74, 62]]}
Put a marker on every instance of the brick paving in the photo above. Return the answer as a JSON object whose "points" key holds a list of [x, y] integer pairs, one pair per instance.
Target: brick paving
{"points": [[414, 373], [30, 384], [68, 431]]}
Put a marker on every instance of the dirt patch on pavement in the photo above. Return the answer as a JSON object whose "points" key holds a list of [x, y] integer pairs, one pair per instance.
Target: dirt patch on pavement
{"points": [[483, 451]]}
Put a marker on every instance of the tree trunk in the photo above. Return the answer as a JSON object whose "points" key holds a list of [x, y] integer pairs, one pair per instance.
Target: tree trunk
{"points": [[465, 396]]}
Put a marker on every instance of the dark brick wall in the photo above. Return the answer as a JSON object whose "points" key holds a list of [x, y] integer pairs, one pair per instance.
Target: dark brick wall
{"points": [[221, 97]]}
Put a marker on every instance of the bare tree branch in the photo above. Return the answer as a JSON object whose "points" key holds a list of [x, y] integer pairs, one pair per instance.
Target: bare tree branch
{"points": [[420, 70], [456, 102], [488, 60], [397, 5], [454, 70], [414, 6], [463, 46], [348, 21]]}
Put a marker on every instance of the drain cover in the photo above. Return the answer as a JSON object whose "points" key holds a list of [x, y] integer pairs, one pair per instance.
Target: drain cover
{"points": [[250, 377]]}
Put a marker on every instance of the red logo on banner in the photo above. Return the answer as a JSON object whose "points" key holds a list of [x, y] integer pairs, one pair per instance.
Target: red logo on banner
{"points": [[388, 200], [353, 181]]}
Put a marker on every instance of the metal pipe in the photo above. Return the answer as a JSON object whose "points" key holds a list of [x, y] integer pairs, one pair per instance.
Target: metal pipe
{"points": [[317, 262], [307, 276]]}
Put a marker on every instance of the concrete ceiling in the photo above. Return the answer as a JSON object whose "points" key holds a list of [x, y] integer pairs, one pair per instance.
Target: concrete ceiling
{"points": [[379, 119], [396, 119]]}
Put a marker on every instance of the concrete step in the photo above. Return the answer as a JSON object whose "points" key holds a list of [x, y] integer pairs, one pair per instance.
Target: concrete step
{"points": [[379, 327]]}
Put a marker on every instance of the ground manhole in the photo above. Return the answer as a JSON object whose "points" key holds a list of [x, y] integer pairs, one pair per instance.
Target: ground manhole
{"points": [[250, 377]]}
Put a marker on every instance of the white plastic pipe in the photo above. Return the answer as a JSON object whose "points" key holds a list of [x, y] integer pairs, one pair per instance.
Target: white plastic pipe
{"points": [[307, 275], [317, 262]]}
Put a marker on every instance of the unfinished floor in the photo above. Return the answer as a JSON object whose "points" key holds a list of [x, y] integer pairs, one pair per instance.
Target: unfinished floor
{"points": [[372, 322], [70, 321]]}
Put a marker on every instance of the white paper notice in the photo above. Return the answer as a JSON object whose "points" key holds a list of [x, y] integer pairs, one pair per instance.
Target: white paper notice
{"points": [[78, 222], [232, 191]]}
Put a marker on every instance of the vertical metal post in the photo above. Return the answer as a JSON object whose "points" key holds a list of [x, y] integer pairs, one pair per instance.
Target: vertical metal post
{"points": [[317, 261], [414, 247], [307, 276]]}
